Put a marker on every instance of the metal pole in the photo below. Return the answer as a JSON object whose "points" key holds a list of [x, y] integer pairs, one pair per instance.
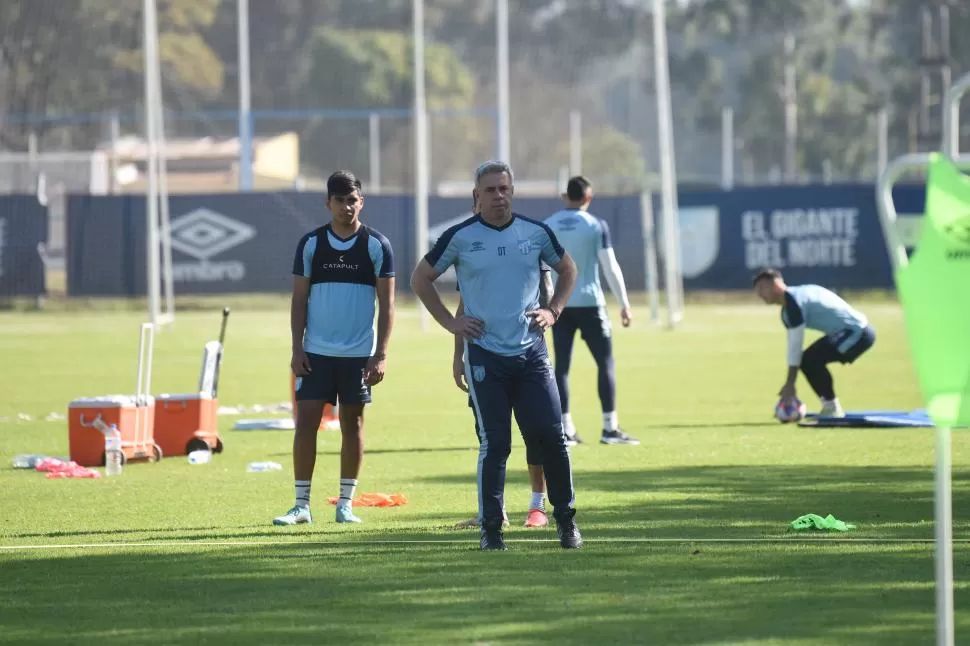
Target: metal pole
{"points": [[152, 255], [374, 145], [882, 140], [245, 100], [166, 313], [668, 169], [575, 142], [951, 116], [502, 76], [650, 255], [115, 135], [791, 110], [421, 169], [727, 148], [943, 530]]}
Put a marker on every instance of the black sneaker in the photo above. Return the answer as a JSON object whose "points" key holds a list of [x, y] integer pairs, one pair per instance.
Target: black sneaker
{"points": [[617, 437], [492, 540], [569, 536]]}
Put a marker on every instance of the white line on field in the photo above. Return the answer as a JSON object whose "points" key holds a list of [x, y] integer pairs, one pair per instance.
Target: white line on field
{"points": [[801, 540]]}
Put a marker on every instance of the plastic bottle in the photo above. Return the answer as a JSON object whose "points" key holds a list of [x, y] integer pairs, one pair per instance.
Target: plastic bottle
{"points": [[27, 460], [202, 456], [256, 467], [112, 452]]}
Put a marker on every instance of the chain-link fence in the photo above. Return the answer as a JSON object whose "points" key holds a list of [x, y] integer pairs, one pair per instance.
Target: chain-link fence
{"points": [[787, 92]]}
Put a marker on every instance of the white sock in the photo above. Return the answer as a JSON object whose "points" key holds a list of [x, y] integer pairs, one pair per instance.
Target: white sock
{"points": [[302, 493], [567, 424], [538, 501], [347, 488], [611, 422]]}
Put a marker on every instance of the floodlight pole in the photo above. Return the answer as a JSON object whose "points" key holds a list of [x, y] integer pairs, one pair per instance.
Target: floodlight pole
{"points": [[245, 99], [502, 79], [421, 170], [152, 281], [668, 170]]}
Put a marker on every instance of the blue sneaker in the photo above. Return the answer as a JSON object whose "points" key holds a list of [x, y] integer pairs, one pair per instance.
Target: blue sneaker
{"points": [[295, 516], [345, 514]]}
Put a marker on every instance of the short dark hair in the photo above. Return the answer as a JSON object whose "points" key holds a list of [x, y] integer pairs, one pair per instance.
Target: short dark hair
{"points": [[768, 272], [341, 183], [576, 188]]}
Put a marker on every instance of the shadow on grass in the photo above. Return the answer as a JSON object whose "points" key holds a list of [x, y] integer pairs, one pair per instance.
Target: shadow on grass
{"points": [[752, 500], [335, 450], [696, 502], [436, 594]]}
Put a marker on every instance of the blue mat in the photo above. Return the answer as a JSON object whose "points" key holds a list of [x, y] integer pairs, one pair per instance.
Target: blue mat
{"points": [[872, 419]]}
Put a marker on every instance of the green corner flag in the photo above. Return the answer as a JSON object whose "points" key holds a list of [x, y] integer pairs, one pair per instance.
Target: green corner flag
{"points": [[934, 289]]}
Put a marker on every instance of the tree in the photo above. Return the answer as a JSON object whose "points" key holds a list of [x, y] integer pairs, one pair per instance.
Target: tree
{"points": [[73, 57]]}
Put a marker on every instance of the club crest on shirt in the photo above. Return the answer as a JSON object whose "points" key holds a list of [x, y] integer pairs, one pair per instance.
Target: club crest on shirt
{"points": [[525, 246], [478, 373]]}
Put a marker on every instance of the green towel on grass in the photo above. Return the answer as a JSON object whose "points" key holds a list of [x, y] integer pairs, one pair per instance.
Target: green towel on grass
{"points": [[814, 521]]}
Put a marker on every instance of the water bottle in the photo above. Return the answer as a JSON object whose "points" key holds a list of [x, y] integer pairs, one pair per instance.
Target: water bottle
{"points": [[112, 452], [257, 467], [27, 460], [201, 456]]}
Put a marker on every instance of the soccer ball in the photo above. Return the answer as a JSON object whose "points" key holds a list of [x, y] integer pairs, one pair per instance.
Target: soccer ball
{"points": [[789, 410]]}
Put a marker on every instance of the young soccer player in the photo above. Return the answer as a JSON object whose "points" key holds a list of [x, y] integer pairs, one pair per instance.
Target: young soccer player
{"points": [[587, 240], [338, 271], [847, 334]]}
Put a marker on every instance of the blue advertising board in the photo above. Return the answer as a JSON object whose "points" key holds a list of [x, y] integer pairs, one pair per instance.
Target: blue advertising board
{"points": [[23, 229]]}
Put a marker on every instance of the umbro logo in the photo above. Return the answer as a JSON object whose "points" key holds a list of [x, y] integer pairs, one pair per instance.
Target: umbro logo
{"points": [[478, 246], [204, 233]]}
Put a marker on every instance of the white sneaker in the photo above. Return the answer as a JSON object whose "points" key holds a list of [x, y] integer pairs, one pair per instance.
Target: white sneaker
{"points": [[832, 408], [345, 514], [295, 516]]}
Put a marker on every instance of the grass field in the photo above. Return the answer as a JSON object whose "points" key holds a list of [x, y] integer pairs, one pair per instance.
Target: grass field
{"points": [[686, 533]]}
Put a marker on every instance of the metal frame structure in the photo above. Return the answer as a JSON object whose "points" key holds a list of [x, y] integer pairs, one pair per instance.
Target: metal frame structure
{"points": [[943, 508]]}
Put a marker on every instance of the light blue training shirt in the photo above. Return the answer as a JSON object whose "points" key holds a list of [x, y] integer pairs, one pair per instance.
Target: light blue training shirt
{"points": [[821, 309], [582, 235], [498, 269], [343, 277]]}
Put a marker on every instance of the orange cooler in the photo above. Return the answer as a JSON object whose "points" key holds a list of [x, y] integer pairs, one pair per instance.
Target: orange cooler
{"points": [[134, 418], [187, 422]]}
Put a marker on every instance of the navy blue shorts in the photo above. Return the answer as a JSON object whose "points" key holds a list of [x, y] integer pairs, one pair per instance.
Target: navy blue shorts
{"points": [[849, 345], [334, 378], [844, 346]]}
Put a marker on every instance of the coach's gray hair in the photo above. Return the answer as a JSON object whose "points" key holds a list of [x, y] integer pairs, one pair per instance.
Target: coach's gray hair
{"points": [[493, 166]]}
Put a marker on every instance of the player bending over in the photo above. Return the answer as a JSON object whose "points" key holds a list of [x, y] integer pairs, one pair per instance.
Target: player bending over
{"points": [[339, 267], [847, 334]]}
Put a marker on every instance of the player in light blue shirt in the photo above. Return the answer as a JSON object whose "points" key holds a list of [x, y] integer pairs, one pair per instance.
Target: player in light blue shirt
{"points": [[497, 257], [587, 239], [338, 272], [847, 334]]}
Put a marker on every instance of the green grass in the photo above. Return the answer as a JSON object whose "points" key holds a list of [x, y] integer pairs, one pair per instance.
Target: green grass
{"points": [[687, 540]]}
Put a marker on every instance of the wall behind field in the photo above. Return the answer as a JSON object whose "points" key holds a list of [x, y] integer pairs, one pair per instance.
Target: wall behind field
{"points": [[244, 243]]}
